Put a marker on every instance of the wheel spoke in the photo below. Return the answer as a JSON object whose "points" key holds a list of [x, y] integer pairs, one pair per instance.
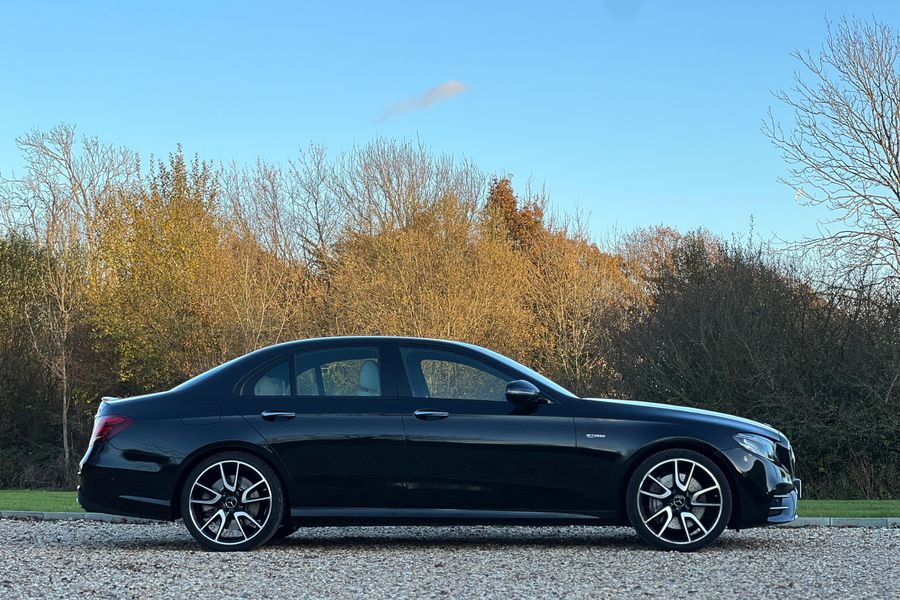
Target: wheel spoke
{"points": [[244, 498], [230, 488], [684, 525], [206, 502], [660, 496], [241, 527], [687, 482], [665, 526], [208, 489], [660, 484], [218, 514], [661, 511], [695, 519], [222, 526], [253, 500], [216, 495], [703, 491], [247, 516]]}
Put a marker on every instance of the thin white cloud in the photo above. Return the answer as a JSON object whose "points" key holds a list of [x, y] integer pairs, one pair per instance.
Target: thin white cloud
{"points": [[429, 98]]}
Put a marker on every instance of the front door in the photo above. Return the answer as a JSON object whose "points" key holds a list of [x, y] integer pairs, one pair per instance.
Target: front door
{"points": [[469, 448], [332, 416]]}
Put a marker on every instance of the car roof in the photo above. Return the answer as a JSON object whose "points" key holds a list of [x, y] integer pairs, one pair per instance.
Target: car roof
{"points": [[372, 339]]}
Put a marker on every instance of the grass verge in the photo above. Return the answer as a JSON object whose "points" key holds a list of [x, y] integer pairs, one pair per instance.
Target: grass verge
{"points": [[39, 500], [849, 508]]}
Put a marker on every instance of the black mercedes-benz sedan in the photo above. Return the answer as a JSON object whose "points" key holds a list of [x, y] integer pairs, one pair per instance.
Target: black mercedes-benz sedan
{"points": [[383, 430]]}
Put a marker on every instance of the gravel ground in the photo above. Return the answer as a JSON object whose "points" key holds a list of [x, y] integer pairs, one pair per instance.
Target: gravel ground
{"points": [[89, 559]]}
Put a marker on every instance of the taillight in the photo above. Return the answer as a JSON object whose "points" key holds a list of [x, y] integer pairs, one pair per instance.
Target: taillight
{"points": [[107, 426]]}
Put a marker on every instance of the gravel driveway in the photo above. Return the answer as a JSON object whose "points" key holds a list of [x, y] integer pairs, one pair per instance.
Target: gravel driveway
{"points": [[66, 559]]}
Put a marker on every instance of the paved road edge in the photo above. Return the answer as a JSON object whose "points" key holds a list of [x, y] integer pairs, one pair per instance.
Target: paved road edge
{"points": [[72, 516], [92, 516]]}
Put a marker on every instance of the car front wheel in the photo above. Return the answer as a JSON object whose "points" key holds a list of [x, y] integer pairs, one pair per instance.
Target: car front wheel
{"points": [[678, 500], [232, 501]]}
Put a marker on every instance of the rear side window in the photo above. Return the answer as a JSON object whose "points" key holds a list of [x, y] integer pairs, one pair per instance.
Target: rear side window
{"points": [[350, 371], [443, 374], [274, 382], [354, 371]]}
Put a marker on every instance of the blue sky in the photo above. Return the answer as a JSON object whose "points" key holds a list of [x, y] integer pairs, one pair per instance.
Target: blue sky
{"points": [[640, 113]]}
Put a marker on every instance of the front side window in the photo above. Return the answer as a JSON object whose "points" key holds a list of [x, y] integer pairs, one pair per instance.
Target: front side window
{"points": [[443, 374], [338, 372]]}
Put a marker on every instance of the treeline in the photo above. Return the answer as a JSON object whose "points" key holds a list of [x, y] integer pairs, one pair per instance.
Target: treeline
{"points": [[120, 278]]}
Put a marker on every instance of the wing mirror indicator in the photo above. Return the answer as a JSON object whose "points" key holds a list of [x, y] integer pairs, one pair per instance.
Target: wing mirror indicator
{"points": [[523, 392]]}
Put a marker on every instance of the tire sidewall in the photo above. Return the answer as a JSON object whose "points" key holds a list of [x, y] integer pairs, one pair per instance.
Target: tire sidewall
{"points": [[277, 510], [631, 499]]}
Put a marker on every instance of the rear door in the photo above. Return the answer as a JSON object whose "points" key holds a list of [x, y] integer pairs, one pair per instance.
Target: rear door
{"points": [[332, 415], [469, 448]]}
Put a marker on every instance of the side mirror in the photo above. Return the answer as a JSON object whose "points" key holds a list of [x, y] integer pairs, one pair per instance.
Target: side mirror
{"points": [[522, 392]]}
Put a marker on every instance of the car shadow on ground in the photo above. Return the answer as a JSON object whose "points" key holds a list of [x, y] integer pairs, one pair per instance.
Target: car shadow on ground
{"points": [[586, 539], [380, 542], [298, 540], [382, 538]]}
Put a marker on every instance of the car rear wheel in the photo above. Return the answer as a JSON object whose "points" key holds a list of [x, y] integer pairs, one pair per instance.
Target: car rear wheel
{"points": [[678, 500], [232, 501]]}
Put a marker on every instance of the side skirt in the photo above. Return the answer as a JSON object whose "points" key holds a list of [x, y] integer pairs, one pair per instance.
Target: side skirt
{"points": [[443, 516]]}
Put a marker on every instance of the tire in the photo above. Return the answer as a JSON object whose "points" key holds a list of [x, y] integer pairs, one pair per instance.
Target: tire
{"points": [[232, 501], [683, 515], [285, 530]]}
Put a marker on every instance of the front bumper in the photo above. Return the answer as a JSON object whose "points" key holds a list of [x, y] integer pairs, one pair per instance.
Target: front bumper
{"points": [[765, 493], [784, 505]]}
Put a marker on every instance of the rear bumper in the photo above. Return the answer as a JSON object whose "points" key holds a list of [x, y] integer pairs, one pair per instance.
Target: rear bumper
{"points": [[135, 506], [106, 485]]}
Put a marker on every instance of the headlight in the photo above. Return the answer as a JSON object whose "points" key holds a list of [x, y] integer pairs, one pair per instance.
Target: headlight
{"points": [[756, 444]]}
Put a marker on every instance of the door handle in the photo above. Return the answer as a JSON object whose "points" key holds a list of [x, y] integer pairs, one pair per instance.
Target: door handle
{"points": [[429, 415], [275, 415]]}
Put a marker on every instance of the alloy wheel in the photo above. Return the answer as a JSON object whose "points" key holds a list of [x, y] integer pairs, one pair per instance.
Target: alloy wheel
{"points": [[680, 501], [230, 502]]}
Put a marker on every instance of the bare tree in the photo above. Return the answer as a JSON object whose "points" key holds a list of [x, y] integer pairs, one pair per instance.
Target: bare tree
{"points": [[318, 214], [844, 146], [387, 184], [57, 204], [265, 289]]}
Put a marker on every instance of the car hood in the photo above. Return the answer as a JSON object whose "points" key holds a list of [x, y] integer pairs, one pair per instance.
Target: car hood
{"points": [[669, 412]]}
